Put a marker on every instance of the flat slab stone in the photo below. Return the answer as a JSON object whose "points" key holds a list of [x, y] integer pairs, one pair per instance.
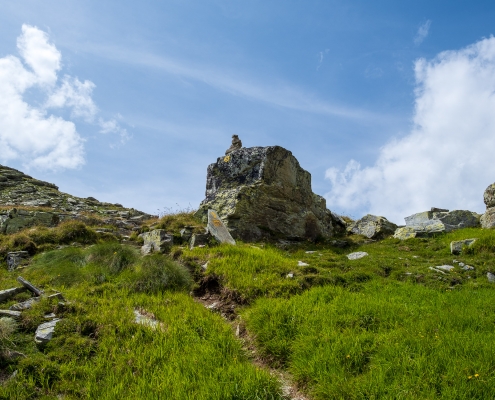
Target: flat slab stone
{"points": [[357, 255], [217, 229], [302, 264], [445, 267], [8, 293], [10, 313], [491, 277], [44, 332], [24, 305]]}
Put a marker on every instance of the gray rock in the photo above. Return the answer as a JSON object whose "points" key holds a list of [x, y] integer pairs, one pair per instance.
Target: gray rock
{"points": [[357, 255], [44, 332], [467, 268], [491, 277], [24, 305], [10, 314], [430, 222], [199, 239], [157, 240], [436, 270], [262, 192], [302, 264], [489, 196], [186, 233], [15, 258], [456, 246], [372, 226], [447, 268], [488, 218], [8, 293], [436, 209], [217, 229]]}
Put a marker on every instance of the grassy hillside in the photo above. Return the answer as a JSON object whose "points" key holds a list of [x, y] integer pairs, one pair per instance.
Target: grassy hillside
{"points": [[381, 327]]}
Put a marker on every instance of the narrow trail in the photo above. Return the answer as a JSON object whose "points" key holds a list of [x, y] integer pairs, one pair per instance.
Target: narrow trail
{"points": [[217, 299]]}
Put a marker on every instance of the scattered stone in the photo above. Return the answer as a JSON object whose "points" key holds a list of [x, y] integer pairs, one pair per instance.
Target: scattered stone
{"points": [[339, 243], [14, 259], [57, 296], [28, 285], [263, 193], [429, 222], [491, 277], [24, 305], [467, 268], [372, 226], [436, 270], [10, 314], [236, 145], [49, 316], [455, 261], [213, 306], [44, 332], [157, 240], [217, 229], [302, 264], [456, 246], [290, 275], [447, 268], [199, 240], [186, 233], [357, 255], [310, 252], [8, 293]]}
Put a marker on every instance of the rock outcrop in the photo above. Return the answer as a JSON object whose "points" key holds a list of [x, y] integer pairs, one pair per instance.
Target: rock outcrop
{"points": [[25, 202], [372, 226], [262, 192], [430, 222], [488, 218]]}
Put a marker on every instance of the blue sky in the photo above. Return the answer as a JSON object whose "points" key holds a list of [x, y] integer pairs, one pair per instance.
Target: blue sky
{"points": [[133, 100]]}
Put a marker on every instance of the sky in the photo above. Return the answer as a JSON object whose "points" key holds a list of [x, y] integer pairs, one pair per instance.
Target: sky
{"points": [[389, 105]]}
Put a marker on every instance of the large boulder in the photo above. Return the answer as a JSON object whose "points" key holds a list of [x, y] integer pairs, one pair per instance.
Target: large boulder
{"points": [[372, 226], [262, 192], [488, 218], [429, 222]]}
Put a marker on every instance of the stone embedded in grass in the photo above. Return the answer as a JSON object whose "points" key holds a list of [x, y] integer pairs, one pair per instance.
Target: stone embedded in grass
{"points": [[8, 293], [447, 268], [10, 314], [217, 229], [199, 240], [157, 240], [302, 264], [456, 246], [14, 259], [467, 267], [357, 255], [24, 305], [290, 275], [44, 332], [142, 317], [491, 277]]}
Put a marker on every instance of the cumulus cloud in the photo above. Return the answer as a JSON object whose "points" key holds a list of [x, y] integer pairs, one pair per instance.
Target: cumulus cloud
{"points": [[30, 133], [446, 160], [422, 33]]}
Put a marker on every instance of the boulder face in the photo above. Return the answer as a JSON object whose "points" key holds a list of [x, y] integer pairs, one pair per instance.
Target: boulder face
{"points": [[372, 226], [488, 218], [262, 192], [429, 222]]}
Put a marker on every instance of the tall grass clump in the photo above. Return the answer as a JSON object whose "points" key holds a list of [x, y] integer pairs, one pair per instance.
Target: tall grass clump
{"points": [[7, 327], [112, 256], [393, 341], [158, 273]]}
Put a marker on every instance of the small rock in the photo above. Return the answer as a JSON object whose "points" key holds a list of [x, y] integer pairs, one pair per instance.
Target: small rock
{"points": [[461, 264], [310, 252], [290, 275], [44, 332], [445, 267], [205, 266], [217, 229], [24, 305], [302, 264], [467, 268], [143, 319], [491, 277], [57, 296], [10, 313], [456, 246], [49, 316], [357, 255], [199, 240], [436, 270]]}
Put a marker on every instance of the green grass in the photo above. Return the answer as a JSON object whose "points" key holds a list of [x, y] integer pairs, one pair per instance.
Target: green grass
{"points": [[382, 327]]}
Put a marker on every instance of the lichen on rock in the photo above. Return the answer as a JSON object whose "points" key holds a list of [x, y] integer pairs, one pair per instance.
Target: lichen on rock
{"points": [[262, 192]]}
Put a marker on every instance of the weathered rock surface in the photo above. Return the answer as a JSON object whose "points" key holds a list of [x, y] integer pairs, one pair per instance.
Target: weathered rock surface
{"points": [[44, 332], [456, 246], [217, 229], [199, 239], [372, 226], [490, 277], [488, 219], [262, 192], [10, 314], [157, 240], [429, 222], [8, 293], [25, 202], [15, 258]]}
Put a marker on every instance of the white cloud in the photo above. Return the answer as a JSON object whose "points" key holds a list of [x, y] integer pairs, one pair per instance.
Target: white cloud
{"points": [[28, 133], [112, 126], [446, 160], [422, 33]]}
